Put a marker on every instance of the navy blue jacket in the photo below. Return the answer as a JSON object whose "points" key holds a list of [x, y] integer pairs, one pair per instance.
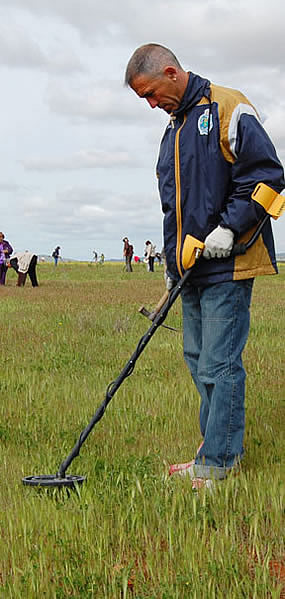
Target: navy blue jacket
{"points": [[213, 153]]}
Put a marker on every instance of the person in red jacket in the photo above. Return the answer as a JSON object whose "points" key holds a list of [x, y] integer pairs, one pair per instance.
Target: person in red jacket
{"points": [[128, 254], [213, 153]]}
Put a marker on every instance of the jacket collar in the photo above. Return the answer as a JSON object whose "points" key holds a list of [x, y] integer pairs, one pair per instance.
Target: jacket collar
{"points": [[196, 89]]}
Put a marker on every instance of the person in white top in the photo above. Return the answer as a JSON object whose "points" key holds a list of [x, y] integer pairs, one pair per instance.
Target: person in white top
{"points": [[25, 263], [149, 253]]}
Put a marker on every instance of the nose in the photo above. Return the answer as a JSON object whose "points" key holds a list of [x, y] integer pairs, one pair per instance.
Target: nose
{"points": [[153, 103]]}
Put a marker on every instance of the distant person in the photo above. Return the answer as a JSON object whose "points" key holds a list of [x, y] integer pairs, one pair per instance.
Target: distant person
{"points": [[25, 263], [95, 257], [102, 259], [158, 257], [5, 252], [128, 254], [149, 253], [56, 255]]}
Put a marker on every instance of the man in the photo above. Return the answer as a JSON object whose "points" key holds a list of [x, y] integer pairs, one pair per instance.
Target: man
{"points": [[56, 255], [128, 254], [213, 153]]}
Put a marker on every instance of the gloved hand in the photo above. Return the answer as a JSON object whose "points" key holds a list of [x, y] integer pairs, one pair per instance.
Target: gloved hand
{"points": [[219, 243], [169, 282]]}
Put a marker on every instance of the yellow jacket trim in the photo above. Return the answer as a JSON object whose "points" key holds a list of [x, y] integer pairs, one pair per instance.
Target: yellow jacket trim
{"points": [[255, 262], [178, 198], [231, 103]]}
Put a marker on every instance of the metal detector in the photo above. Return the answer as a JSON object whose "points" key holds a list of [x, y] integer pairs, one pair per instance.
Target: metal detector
{"points": [[192, 251], [61, 479]]}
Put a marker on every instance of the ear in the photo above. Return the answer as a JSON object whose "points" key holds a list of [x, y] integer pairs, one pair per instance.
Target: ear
{"points": [[170, 72]]}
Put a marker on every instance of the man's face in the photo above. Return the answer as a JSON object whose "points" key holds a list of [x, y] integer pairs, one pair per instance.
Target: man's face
{"points": [[162, 92]]}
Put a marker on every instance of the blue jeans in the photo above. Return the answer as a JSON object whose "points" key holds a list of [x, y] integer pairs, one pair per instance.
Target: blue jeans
{"points": [[216, 327]]}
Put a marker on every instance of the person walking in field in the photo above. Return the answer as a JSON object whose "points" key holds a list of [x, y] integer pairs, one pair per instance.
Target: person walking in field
{"points": [[128, 254], [56, 255], [149, 254], [5, 252], [213, 154], [25, 263]]}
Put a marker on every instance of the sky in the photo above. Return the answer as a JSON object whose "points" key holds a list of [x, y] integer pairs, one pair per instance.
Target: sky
{"points": [[78, 149]]}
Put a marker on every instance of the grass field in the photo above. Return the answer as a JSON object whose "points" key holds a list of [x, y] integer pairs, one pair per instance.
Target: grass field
{"points": [[130, 531]]}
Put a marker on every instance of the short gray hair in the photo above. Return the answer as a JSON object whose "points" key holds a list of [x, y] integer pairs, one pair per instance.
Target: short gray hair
{"points": [[150, 59]]}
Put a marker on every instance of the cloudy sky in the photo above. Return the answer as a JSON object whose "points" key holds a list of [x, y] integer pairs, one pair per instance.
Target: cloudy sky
{"points": [[78, 149]]}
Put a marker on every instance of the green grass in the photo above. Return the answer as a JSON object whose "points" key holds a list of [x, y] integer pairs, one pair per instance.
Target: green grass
{"points": [[130, 531]]}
